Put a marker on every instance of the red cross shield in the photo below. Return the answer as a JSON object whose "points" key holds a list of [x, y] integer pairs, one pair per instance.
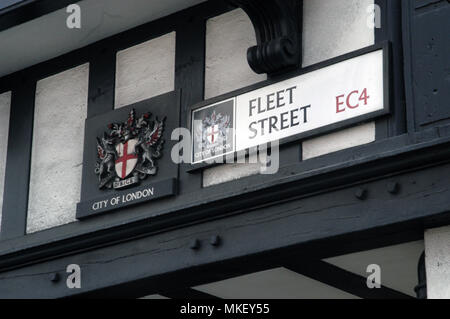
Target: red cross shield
{"points": [[127, 159], [213, 134]]}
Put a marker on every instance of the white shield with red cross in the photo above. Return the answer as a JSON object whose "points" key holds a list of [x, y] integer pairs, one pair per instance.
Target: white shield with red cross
{"points": [[212, 134], [127, 159]]}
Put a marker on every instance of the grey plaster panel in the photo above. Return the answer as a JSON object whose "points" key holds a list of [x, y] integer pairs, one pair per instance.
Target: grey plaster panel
{"points": [[5, 105], [145, 70], [57, 152]]}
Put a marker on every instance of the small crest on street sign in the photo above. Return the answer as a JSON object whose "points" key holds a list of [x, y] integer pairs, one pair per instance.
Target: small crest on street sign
{"points": [[213, 131]]}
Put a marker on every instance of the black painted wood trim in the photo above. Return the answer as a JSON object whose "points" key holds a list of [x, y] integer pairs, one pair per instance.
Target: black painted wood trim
{"points": [[102, 76], [15, 203], [164, 260], [343, 280], [190, 79], [407, 12], [421, 288], [190, 62], [391, 31], [312, 177]]}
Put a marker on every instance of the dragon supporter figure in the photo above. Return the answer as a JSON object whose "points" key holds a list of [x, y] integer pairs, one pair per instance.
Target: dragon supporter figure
{"points": [[127, 154]]}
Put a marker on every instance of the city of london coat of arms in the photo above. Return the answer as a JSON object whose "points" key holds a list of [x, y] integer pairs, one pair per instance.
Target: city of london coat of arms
{"points": [[128, 152]]}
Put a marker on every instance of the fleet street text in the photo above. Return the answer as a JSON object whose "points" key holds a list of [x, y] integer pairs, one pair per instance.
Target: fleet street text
{"points": [[272, 101], [280, 121]]}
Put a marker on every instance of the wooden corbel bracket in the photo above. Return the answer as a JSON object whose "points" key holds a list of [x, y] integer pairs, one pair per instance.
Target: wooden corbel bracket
{"points": [[278, 25]]}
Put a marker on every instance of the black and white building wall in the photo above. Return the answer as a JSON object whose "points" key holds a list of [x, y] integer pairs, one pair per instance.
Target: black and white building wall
{"points": [[352, 199]]}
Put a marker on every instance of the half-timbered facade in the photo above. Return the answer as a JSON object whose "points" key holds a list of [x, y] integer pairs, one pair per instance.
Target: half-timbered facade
{"points": [[103, 165]]}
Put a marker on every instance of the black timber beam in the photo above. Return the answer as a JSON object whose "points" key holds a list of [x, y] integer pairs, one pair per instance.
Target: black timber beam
{"points": [[317, 227], [390, 29], [17, 177], [102, 73], [314, 177], [301, 180]]}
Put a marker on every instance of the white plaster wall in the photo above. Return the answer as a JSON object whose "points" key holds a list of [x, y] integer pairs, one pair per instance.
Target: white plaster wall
{"points": [[343, 139], [437, 261], [228, 37], [277, 283], [332, 28], [5, 105], [57, 152], [145, 70], [398, 264], [228, 172]]}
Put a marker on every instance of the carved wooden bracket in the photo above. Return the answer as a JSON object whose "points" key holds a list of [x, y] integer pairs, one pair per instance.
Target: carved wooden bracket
{"points": [[277, 25]]}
